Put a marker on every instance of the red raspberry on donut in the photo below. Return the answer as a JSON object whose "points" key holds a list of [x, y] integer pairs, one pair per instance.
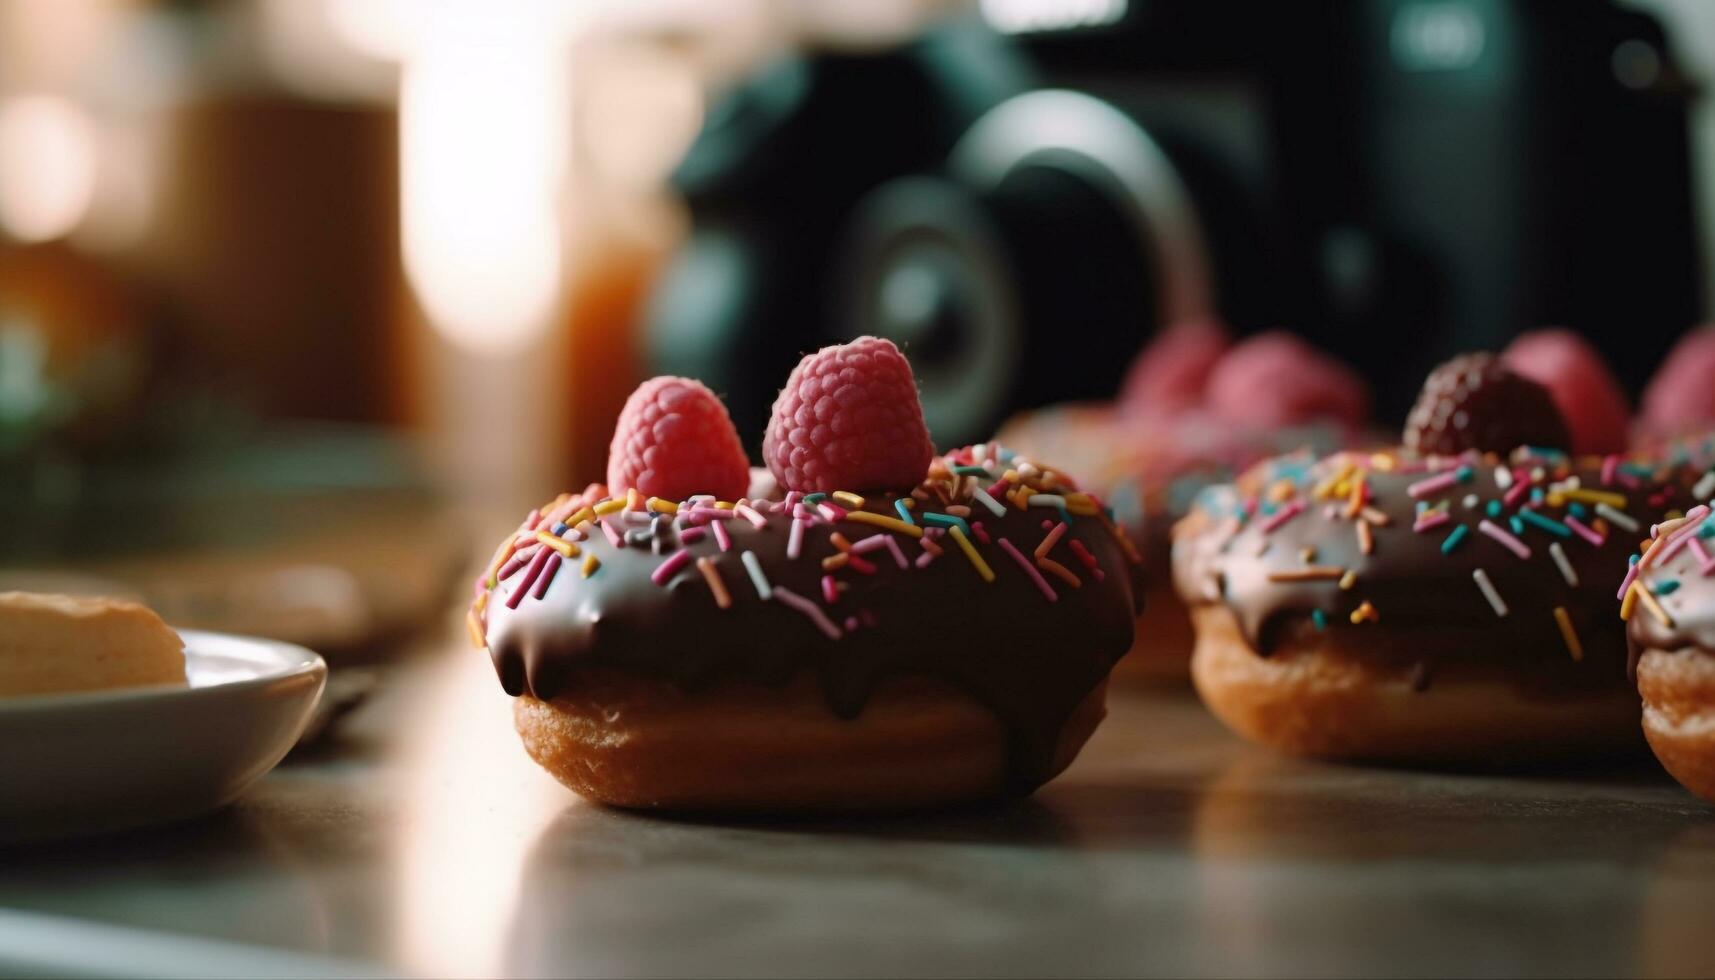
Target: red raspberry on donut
{"points": [[1476, 402], [1171, 374], [1275, 379], [675, 440], [1680, 398], [849, 419], [1583, 388]]}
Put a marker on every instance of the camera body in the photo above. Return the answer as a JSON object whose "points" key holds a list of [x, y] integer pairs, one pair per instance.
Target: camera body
{"points": [[1398, 180]]}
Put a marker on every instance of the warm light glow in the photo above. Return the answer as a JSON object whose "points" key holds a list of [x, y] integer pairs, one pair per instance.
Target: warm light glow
{"points": [[1024, 16], [484, 125], [475, 809], [47, 166]]}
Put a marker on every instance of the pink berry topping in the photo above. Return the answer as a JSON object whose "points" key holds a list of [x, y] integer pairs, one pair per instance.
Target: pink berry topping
{"points": [[1276, 379], [1583, 388], [849, 419], [1680, 398], [1170, 375], [674, 440]]}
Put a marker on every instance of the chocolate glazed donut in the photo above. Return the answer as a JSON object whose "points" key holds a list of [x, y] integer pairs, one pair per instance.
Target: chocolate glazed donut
{"points": [[1024, 611], [1423, 609]]}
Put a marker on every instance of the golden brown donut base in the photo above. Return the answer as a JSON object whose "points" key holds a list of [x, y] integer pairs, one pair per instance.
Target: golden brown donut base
{"points": [[1160, 653], [1309, 701], [632, 742], [1678, 689]]}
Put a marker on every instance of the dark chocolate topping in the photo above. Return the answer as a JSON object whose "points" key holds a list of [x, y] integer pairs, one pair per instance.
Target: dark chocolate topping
{"points": [[1029, 659], [1415, 598]]}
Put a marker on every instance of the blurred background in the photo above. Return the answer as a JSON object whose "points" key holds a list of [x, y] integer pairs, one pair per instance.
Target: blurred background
{"points": [[296, 295]]}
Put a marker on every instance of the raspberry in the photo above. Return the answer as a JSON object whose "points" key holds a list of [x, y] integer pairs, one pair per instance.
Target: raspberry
{"points": [[1169, 376], [849, 419], [1275, 379], [1680, 398], [1579, 382], [674, 440], [1476, 402]]}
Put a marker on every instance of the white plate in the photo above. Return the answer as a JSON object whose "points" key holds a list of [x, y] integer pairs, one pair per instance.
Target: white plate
{"points": [[108, 760]]}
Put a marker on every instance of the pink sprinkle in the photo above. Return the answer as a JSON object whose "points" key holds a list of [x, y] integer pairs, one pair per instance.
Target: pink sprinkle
{"points": [[871, 543], [1517, 491], [518, 561], [1330, 511], [1627, 480], [1000, 488], [532, 519], [859, 565], [1505, 537], [957, 510], [981, 533], [1704, 562], [792, 498], [1626, 583], [928, 543], [1283, 515], [613, 536], [833, 512], [713, 513], [800, 512], [547, 577], [721, 537], [749, 513], [898, 552], [925, 558], [1029, 569], [1088, 559], [1583, 530], [851, 623], [529, 578], [1434, 484], [830, 589], [1431, 519], [677, 560], [1609, 465], [692, 534], [795, 539], [809, 609]]}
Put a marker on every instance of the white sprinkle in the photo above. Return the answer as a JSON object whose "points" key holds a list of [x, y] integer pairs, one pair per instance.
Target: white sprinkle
{"points": [[795, 539], [1618, 518], [1503, 478], [992, 504], [1567, 572], [1489, 593], [1047, 500], [1705, 486], [753, 565], [1470, 501]]}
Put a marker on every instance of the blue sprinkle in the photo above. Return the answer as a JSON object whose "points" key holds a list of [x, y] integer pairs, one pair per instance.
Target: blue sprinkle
{"points": [[1667, 587], [1536, 495], [1548, 524], [812, 499], [1633, 560], [560, 528], [1452, 540], [1707, 530], [1494, 508], [1516, 524], [1464, 474], [1578, 510], [1320, 618], [947, 520], [972, 471], [904, 511], [1066, 515]]}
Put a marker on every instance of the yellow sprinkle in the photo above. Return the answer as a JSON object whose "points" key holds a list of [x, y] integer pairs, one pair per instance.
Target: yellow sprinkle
{"points": [[1061, 571], [656, 504], [723, 598], [475, 627], [835, 561], [1280, 491], [891, 523], [588, 513], [500, 555], [632, 500], [840, 541], [910, 504], [847, 499], [723, 505], [1383, 462], [1595, 497], [1083, 508], [1348, 580], [964, 543], [1568, 634], [1556, 499], [1329, 486], [1648, 598], [609, 506], [591, 563], [481, 603], [1365, 612], [1629, 603], [564, 547], [1366, 539]]}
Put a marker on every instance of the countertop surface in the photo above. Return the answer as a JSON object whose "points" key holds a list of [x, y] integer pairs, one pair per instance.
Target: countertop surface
{"points": [[421, 840]]}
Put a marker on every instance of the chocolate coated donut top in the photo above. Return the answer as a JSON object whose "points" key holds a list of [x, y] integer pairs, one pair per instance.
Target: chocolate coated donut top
{"points": [[707, 593], [1423, 562]]}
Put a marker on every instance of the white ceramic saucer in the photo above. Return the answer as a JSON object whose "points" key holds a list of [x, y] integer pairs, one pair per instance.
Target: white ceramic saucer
{"points": [[108, 760]]}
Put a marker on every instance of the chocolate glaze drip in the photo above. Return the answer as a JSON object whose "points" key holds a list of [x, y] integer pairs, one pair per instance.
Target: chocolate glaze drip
{"points": [[1031, 661], [1431, 612]]}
